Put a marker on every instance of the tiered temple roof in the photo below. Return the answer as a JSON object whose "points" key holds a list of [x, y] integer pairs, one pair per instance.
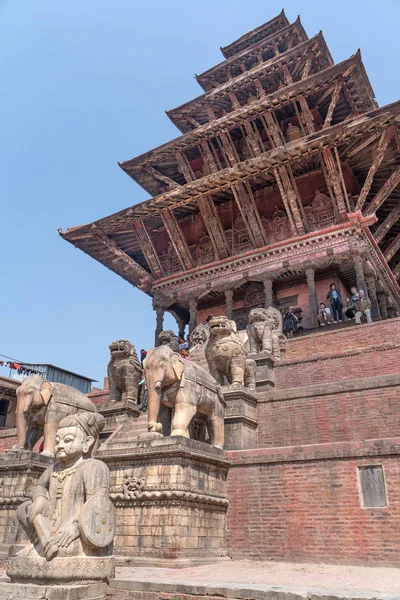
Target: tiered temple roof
{"points": [[284, 162]]}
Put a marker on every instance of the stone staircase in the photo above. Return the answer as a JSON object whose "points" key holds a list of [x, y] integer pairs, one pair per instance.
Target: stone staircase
{"points": [[129, 431]]}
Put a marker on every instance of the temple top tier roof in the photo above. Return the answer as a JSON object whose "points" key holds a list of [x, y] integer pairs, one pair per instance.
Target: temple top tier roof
{"points": [[256, 35], [268, 47]]}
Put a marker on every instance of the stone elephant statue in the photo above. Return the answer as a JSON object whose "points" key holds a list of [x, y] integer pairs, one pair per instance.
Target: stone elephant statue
{"points": [[124, 371], [226, 355], [187, 389], [40, 407]]}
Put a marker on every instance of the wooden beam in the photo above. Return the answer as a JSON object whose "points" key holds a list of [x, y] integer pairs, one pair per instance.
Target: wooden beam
{"points": [[308, 118], [385, 191], [138, 274], [161, 177], [384, 227], [286, 74], [334, 179], [378, 155], [307, 67], [289, 197], [212, 222], [356, 148], [177, 238], [245, 200], [273, 129], [392, 248], [147, 247], [396, 271], [332, 105], [184, 166]]}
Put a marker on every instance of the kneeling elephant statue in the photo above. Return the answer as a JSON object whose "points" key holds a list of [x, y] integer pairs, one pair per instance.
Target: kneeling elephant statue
{"points": [[40, 407], [187, 389]]}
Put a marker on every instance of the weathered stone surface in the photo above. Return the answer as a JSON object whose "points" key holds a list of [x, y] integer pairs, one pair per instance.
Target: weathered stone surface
{"points": [[124, 371], [169, 494], [188, 392], [29, 591], [70, 521], [241, 420]]}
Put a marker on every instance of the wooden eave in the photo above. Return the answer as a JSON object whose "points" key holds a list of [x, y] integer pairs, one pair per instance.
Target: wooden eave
{"points": [[179, 115], [206, 79], [341, 135], [137, 167], [251, 37]]}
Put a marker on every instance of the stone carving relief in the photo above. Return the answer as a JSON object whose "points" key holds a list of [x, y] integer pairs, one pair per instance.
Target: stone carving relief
{"points": [[132, 486], [226, 355], [70, 520], [203, 252], [254, 294], [40, 407], [124, 371]]}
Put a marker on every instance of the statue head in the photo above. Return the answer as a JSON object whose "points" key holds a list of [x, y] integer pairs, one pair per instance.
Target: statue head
{"points": [[222, 326], [122, 349], [168, 338], [77, 435], [258, 315]]}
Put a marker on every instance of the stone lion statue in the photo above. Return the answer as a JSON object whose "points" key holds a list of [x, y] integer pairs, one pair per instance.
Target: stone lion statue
{"points": [[265, 331], [226, 355], [124, 371], [168, 338]]}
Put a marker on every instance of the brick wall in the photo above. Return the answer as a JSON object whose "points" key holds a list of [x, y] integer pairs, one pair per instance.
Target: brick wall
{"points": [[348, 411], [330, 341], [379, 359], [8, 437], [303, 504]]}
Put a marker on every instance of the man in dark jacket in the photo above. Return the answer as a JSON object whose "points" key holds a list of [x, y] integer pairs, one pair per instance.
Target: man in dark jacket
{"points": [[335, 299]]}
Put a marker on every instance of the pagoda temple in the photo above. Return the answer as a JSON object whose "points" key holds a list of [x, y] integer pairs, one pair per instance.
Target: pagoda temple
{"points": [[285, 178]]}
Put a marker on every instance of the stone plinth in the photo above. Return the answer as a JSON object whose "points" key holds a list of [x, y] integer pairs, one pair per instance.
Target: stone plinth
{"points": [[19, 471], [63, 570], [117, 414], [265, 377], [240, 418], [26, 591], [169, 493]]}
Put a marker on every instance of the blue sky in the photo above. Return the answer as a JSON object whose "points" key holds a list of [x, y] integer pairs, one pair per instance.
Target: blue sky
{"points": [[85, 84]]}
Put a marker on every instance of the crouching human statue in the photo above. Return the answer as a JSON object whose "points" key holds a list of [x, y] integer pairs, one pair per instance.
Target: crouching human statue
{"points": [[70, 521]]}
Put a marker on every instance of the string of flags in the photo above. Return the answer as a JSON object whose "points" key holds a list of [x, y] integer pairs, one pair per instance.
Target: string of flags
{"points": [[22, 370]]}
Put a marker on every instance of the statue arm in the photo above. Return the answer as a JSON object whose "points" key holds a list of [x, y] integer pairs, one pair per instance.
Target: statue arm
{"points": [[96, 479]]}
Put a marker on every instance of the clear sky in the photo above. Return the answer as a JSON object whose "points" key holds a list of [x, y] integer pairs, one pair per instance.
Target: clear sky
{"points": [[85, 83]]}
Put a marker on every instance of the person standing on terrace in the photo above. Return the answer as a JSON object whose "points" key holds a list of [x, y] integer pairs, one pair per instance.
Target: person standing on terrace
{"points": [[335, 299]]}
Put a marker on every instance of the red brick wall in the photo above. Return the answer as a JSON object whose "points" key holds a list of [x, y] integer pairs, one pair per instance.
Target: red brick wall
{"points": [[336, 340], [350, 415], [8, 437], [303, 504], [381, 359]]}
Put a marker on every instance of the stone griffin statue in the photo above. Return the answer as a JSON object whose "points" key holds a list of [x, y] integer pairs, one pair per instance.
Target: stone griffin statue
{"points": [[124, 371], [40, 407], [226, 355], [70, 514], [168, 338], [265, 331]]}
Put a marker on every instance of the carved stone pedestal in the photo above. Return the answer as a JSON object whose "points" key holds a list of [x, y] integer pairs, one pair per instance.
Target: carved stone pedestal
{"points": [[169, 493], [28, 591], [265, 377], [19, 471], [240, 418], [117, 414]]}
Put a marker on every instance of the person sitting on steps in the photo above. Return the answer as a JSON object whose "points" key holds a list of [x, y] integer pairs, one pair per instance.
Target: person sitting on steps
{"points": [[363, 308], [324, 316], [335, 299]]}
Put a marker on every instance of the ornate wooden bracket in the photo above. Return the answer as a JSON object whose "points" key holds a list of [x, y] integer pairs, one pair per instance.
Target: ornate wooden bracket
{"points": [[177, 238], [147, 247], [245, 200], [213, 225]]}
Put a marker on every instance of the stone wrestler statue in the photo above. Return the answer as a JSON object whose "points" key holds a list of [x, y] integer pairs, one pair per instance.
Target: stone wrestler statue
{"points": [[70, 513]]}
